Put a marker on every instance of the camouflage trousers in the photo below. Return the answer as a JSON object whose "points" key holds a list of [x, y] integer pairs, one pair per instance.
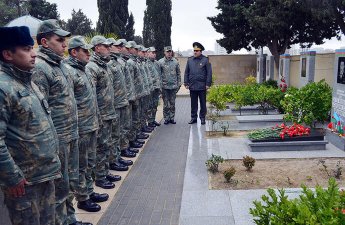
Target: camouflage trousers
{"points": [[73, 176], [154, 105], [115, 137], [145, 103], [135, 120], [62, 186], [125, 126], [131, 133], [104, 144], [36, 207], [87, 148], [169, 97]]}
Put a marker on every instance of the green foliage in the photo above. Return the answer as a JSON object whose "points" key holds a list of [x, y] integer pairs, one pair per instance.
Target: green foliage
{"points": [[129, 30], [248, 162], [157, 25], [322, 206], [271, 83], [79, 24], [213, 163], [43, 10], [229, 173], [264, 133], [8, 12], [310, 104], [267, 97]]}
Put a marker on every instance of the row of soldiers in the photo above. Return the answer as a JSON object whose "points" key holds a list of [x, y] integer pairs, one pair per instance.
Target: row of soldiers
{"points": [[66, 122]]}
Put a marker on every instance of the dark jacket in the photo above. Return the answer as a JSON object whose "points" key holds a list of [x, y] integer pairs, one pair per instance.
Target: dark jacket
{"points": [[198, 73]]}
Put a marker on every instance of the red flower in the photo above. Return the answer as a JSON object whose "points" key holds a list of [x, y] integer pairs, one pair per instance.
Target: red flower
{"points": [[330, 125]]}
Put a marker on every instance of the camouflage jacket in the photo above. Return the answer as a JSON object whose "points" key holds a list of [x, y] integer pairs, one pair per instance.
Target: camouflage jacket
{"points": [[98, 70], [122, 59], [149, 73], [28, 139], [144, 75], [85, 97], [137, 78], [170, 73], [120, 89], [53, 78], [154, 68]]}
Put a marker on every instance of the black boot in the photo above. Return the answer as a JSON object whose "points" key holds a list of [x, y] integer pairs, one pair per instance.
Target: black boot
{"points": [[80, 223], [126, 153], [203, 121], [97, 197], [166, 122], [134, 150], [118, 166], [151, 125], [156, 123], [146, 130], [172, 121], [125, 162], [140, 141], [113, 178], [193, 121], [135, 144], [143, 136], [89, 206], [105, 184]]}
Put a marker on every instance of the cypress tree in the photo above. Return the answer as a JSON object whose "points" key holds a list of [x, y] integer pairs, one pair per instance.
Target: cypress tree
{"points": [[130, 28], [157, 25]]}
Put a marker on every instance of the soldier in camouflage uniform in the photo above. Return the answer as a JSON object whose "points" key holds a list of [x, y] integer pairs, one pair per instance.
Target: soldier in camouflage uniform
{"points": [[127, 63], [156, 85], [98, 70], [120, 104], [29, 160], [53, 77], [171, 83], [85, 95]]}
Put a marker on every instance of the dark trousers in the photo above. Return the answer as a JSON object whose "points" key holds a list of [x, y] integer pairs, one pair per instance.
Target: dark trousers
{"points": [[194, 96]]}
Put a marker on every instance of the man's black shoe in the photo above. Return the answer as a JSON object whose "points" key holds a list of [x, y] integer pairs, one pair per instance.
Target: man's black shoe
{"points": [[193, 121], [81, 223], [151, 125], [89, 206], [126, 153], [141, 142], [146, 130], [97, 197], [172, 121], [113, 178], [134, 150], [149, 128], [166, 122], [156, 123], [125, 162], [135, 145], [105, 184], [118, 166], [143, 136], [203, 121]]}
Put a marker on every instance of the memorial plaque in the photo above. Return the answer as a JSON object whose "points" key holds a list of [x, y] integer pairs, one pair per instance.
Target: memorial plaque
{"points": [[304, 67], [341, 71]]}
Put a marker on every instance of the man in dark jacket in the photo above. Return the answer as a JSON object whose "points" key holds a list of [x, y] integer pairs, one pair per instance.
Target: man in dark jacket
{"points": [[198, 78]]}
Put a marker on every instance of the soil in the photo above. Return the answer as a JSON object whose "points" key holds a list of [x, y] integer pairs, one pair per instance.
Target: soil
{"points": [[276, 173]]}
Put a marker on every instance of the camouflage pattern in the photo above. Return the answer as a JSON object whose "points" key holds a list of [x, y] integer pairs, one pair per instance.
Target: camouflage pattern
{"points": [[125, 114], [73, 179], [137, 78], [156, 83], [104, 144], [169, 97], [155, 73], [170, 73], [87, 143], [155, 101], [25, 124], [115, 137], [54, 79], [122, 59], [36, 207]]}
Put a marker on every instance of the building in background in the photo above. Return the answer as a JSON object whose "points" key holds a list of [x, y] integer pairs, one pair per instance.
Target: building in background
{"points": [[219, 50]]}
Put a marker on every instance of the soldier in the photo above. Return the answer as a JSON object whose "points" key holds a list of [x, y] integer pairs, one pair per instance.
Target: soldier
{"points": [[88, 125], [120, 104], [171, 83], [156, 84], [53, 77], [29, 160], [198, 78], [98, 70]]}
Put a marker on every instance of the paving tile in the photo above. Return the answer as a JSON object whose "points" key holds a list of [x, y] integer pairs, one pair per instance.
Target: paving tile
{"points": [[206, 220]]}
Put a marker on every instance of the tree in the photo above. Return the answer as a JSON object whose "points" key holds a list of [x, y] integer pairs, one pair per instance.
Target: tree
{"points": [[277, 24], [79, 24], [113, 16], [8, 12], [43, 10], [138, 39], [157, 24], [129, 32]]}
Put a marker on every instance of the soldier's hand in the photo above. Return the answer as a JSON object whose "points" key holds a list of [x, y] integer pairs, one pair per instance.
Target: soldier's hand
{"points": [[18, 190]]}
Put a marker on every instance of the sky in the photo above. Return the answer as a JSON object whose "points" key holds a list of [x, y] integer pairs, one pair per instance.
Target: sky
{"points": [[189, 21]]}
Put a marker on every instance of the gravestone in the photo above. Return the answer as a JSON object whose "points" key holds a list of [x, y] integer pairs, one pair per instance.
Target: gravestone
{"points": [[260, 68], [270, 67], [307, 67], [284, 68]]}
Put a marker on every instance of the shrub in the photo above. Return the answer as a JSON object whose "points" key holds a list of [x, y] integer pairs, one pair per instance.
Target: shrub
{"points": [[248, 162], [322, 206], [270, 83], [213, 163], [229, 173]]}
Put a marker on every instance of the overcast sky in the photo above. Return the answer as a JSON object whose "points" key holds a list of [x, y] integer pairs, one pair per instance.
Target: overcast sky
{"points": [[189, 22]]}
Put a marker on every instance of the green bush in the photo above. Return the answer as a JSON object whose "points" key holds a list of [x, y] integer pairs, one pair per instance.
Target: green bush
{"points": [[248, 162], [229, 173], [322, 206], [270, 83], [213, 163], [310, 104]]}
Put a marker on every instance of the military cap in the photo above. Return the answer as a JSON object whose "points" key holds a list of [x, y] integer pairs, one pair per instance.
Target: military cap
{"points": [[15, 36], [142, 48], [123, 41], [78, 42], [52, 25], [167, 48], [197, 46], [99, 40], [151, 49], [131, 44], [114, 42]]}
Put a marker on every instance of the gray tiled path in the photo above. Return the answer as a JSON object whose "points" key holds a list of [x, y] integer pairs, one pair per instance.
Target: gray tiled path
{"points": [[151, 193]]}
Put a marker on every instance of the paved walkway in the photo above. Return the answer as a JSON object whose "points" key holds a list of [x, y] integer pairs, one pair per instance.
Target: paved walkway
{"points": [[151, 193]]}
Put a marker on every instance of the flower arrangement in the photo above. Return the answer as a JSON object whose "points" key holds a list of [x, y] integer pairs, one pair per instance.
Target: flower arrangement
{"points": [[337, 125], [283, 86]]}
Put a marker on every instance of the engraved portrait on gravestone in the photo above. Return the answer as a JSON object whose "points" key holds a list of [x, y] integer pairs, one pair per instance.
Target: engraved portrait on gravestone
{"points": [[341, 71]]}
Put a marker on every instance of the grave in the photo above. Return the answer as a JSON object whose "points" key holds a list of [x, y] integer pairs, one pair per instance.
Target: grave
{"points": [[307, 67]]}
